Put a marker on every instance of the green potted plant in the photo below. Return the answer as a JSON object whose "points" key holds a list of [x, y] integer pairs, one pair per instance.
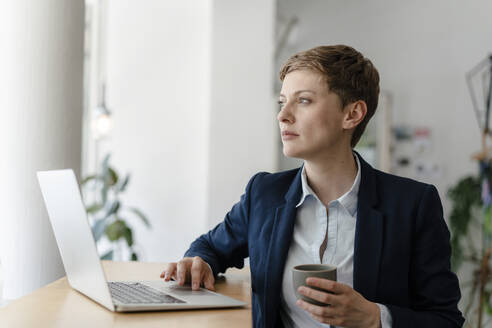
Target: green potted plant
{"points": [[109, 215], [471, 215]]}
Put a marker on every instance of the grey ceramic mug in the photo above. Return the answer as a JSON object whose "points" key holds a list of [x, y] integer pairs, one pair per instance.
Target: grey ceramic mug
{"points": [[301, 272]]}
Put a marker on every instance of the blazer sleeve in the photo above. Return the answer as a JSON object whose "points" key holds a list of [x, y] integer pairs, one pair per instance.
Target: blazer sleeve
{"points": [[434, 288], [226, 245]]}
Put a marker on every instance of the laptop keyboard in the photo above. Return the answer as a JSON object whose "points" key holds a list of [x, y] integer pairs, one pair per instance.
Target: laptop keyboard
{"points": [[137, 293]]}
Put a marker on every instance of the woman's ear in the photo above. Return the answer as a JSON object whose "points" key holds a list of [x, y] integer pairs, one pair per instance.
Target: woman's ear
{"points": [[354, 114]]}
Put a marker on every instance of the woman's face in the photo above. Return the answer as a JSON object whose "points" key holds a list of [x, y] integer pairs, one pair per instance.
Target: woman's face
{"points": [[310, 117]]}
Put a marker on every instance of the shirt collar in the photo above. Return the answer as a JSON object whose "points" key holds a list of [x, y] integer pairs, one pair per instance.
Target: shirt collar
{"points": [[306, 190], [347, 200]]}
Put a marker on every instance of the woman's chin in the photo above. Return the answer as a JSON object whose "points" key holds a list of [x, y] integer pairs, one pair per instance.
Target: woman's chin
{"points": [[289, 152]]}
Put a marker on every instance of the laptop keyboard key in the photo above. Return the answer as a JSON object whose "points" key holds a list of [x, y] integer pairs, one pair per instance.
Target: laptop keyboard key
{"points": [[137, 293]]}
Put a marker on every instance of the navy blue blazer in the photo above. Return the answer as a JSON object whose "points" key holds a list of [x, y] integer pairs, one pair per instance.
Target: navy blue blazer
{"points": [[401, 255]]}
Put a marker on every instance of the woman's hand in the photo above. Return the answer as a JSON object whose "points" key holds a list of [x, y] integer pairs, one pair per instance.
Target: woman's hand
{"points": [[189, 269], [347, 307]]}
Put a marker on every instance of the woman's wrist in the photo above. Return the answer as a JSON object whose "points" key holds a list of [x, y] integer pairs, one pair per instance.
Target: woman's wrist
{"points": [[375, 316]]}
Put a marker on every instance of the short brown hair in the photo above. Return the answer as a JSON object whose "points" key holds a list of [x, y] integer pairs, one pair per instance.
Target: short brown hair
{"points": [[348, 74]]}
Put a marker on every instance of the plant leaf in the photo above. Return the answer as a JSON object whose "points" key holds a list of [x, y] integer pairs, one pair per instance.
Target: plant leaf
{"points": [[487, 301], [104, 194], [94, 208], [114, 208], [134, 257], [112, 177], [105, 163], [88, 178], [487, 220], [465, 196], [105, 175], [114, 231], [128, 235], [107, 256], [141, 216], [124, 183]]}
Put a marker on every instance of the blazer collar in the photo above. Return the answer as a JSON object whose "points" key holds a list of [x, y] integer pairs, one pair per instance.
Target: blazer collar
{"points": [[294, 193], [367, 189]]}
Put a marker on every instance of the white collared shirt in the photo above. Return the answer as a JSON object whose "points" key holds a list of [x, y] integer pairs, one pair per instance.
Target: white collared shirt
{"points": [[310, 229]]}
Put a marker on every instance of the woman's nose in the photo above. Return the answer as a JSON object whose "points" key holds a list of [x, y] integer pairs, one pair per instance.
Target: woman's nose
{"points": [[285, 114]]}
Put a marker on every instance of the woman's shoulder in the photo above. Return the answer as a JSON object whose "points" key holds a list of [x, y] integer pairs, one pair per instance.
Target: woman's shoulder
{"points": [[400, 182], [271, 189], [396, 189], [276, 180]]}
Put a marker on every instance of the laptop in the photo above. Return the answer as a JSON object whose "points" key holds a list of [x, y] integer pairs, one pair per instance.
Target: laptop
{"points": [[84, 270]]}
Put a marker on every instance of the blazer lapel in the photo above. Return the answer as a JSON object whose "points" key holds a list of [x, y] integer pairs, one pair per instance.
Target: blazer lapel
{"points": [[368, 235], [281, 237]]}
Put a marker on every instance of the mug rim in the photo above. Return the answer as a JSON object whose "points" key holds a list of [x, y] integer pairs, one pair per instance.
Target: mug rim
{"points": [[328, 267]]}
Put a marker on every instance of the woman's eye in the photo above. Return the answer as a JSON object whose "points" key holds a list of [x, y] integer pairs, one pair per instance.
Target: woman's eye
{"points": [[304, 101], [281, 103]]}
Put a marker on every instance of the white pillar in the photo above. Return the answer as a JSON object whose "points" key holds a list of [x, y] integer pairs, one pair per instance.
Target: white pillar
{"points": [[41, 87]]}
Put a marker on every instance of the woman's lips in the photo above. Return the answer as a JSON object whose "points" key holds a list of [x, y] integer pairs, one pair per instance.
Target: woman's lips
{"points": [[286, 135]]}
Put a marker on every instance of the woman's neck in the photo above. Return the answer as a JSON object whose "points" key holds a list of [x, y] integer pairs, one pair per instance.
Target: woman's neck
{"points": [[332, 175]]}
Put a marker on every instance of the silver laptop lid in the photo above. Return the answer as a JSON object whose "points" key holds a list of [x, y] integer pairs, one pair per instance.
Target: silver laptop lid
{"points": [[73, 235]]}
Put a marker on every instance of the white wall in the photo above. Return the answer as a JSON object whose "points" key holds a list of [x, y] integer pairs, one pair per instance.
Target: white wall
{"points": [[243, 126], [422, 50], [189, 87]]}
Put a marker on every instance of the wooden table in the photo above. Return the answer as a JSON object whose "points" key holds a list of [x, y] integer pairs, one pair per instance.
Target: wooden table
{"points": [[57, 305]]}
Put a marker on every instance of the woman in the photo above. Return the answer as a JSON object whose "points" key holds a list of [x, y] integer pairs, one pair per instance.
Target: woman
{"points": [[385, 234]]}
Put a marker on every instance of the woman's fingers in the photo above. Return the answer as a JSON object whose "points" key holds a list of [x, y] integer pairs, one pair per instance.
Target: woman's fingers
{"points": [[209, 279], [182, 272], [196, 273], [322, 311], [194, 270], [327, 284], [169, 271], [317, 295]]}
